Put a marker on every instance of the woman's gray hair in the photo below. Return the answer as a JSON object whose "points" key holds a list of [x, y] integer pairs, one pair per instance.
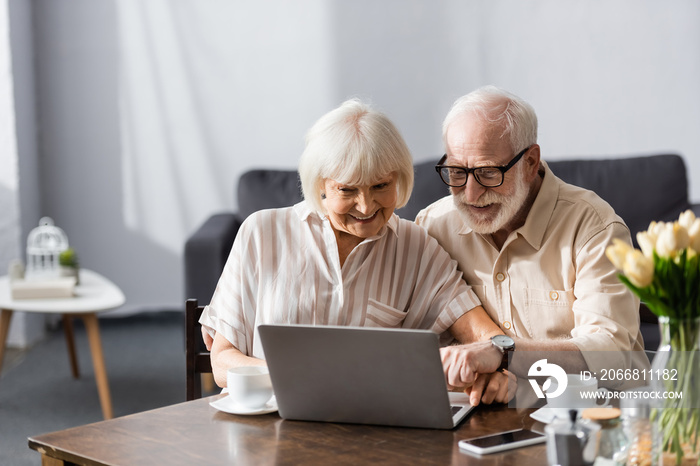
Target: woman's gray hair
{"points": [[354, 145], [496, 105]]}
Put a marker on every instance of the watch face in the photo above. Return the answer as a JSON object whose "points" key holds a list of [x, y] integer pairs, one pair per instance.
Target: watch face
{"points": [[504, 341]]}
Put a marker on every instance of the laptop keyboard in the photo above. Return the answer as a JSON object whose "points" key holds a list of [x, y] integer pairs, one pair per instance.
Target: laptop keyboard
{"points": [[455, 409]]}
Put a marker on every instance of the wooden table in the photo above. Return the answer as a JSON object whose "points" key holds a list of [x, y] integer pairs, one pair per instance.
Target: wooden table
{"points": [[94, 294], [195, 433]]}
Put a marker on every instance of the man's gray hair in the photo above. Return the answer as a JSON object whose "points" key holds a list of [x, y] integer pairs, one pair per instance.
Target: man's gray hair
{"points": [[493, 104], [354, 145]]}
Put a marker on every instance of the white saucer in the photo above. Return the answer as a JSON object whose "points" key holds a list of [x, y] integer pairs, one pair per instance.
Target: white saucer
{"points": [[227, 405], [546, 414]]}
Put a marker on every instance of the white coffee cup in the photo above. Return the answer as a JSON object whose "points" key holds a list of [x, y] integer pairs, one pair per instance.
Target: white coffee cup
{"points": [[249, 386], [580, 393]]}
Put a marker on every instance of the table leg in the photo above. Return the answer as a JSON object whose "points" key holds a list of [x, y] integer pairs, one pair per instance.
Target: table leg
{"points": [[5, 316], [208, 384], [93, 333], [70, 342], [49, 461]]}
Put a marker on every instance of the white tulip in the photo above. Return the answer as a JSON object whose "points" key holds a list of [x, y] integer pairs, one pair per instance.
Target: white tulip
{"points": [[655, 229], [638, 268], [694, 233], [686, 219], [682, 236], [617, 253], [646, 243], [672, 239]]}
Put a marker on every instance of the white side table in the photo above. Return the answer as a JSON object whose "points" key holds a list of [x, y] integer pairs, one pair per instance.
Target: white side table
{"points": [[94, 294]]}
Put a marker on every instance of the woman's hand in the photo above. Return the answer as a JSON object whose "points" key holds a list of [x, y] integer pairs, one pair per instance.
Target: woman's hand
{"points": [[224, 356]]}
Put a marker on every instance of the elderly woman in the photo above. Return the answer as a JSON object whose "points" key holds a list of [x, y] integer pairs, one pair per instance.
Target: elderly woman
{"points": [[341, 256]]}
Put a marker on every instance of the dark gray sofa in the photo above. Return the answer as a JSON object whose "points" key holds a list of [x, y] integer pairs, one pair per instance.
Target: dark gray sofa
{"points": [[640, 189]]}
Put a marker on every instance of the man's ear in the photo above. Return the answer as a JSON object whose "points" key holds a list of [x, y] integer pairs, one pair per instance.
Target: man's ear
{"points": [[532, 161]]}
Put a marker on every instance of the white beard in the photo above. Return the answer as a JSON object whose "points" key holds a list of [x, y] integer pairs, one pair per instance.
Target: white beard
{"points": [[509, 207]]}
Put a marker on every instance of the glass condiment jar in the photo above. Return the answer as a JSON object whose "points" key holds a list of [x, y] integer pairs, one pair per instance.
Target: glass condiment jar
{"points": [[636, 409], [612, 447]]}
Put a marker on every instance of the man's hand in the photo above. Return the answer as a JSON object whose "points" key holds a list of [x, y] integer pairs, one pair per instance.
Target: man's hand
{"points": [[473, 367], [498, 387], [462, 363]]}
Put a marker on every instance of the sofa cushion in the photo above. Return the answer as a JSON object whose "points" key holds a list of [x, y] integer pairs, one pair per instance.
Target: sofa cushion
{"points": [[427, 188], [640, 189], [267, 189]]}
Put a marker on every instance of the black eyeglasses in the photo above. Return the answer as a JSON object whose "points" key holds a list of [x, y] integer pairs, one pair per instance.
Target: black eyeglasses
{"points": [[488, 177]]}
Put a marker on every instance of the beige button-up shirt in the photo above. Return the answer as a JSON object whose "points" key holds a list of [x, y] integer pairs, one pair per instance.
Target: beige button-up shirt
{"points": [[284, 268], [551, 279]]}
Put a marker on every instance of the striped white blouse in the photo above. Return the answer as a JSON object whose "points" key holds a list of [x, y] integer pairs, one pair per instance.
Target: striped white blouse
{"points": [[284, 268]]}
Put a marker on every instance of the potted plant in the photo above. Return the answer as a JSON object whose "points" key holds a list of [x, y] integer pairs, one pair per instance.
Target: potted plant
{"points": [[68, 260]]}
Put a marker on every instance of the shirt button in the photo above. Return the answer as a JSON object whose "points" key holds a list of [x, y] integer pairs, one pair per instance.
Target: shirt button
{"points": [[506, 325], [553, 295], [500, 277]]}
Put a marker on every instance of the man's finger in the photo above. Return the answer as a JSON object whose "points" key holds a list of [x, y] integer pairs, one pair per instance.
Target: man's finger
{"points": [[453, 376], [492, 388], [477, 390], [502, 395], [512, 385], [467, 374]]}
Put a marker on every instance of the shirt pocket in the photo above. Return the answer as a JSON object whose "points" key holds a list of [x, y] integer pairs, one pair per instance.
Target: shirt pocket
{"points": [[548, 313], [381, 315]]}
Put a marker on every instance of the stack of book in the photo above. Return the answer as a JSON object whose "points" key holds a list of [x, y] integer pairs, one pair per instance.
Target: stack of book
{"points": [[60, 287]]}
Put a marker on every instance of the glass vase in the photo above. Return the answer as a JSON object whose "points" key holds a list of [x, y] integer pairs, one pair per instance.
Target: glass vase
{"points": [[675, 380]]}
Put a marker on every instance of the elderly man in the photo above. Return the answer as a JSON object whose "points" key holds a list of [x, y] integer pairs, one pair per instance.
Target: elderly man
{"points": [[531, 246]]}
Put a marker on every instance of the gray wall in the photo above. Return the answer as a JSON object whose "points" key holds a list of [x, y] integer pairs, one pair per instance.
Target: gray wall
{"points": [[147, 112]]}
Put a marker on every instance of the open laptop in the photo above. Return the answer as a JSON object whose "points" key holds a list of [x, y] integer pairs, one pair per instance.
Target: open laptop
{"points": [[360, 375]]}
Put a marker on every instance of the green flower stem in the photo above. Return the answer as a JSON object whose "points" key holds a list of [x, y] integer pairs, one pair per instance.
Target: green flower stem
{"points": [[679, 419]]}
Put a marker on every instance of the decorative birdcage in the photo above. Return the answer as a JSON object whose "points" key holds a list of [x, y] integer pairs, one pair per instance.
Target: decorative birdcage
{"points": [[44, 245]]}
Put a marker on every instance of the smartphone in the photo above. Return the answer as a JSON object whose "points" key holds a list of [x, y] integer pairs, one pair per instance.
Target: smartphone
{"points": [[501, 441]]}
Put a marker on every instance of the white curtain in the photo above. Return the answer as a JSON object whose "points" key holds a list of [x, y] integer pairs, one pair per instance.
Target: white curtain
{"points": [[9, 174], [208, 89]]}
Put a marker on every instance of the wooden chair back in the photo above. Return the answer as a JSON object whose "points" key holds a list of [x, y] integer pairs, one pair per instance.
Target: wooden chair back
{"points": [[198, 361]]}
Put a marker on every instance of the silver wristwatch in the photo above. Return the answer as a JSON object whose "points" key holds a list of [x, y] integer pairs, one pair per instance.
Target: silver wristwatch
{"points": [[505, 345]]}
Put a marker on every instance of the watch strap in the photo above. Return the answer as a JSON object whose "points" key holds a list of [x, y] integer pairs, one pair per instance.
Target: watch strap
{"points": [[504, 361]]}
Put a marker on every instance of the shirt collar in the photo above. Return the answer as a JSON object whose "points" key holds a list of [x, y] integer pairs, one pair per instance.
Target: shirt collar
{"points": [[303, 210], [541, 211]]}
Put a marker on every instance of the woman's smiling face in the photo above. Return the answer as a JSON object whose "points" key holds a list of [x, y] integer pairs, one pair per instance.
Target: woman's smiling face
{"points": [[360, 210]]}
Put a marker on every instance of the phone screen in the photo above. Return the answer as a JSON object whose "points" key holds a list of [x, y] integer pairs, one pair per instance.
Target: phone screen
{"points": [[501, 442], [505, 437]]}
